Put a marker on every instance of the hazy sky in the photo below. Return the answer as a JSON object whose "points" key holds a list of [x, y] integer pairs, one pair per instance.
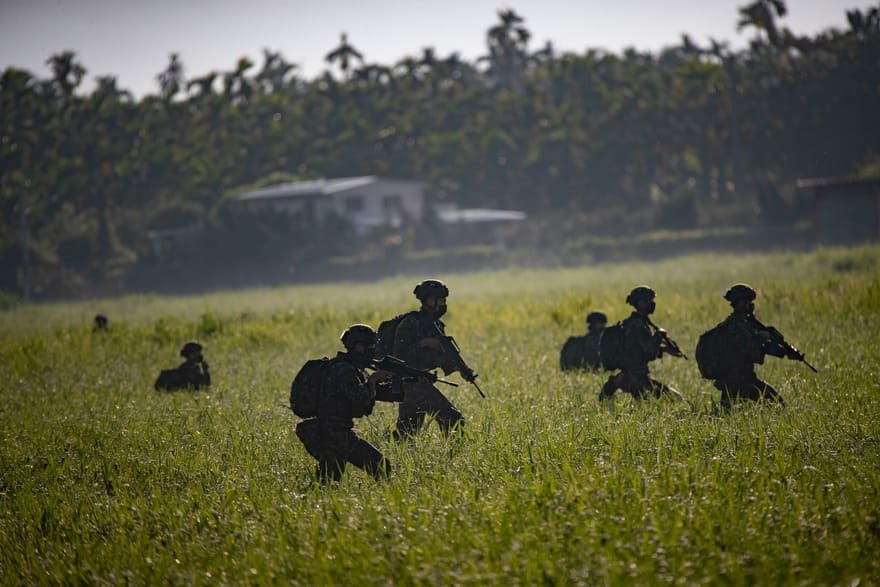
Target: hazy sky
{"points": [[132, 39]]}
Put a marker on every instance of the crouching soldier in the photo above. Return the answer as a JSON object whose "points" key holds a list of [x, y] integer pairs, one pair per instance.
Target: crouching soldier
{"points": [[744, 342], [641, 342], [582, 352], [418, 340], [345, 393], [191, 374]]}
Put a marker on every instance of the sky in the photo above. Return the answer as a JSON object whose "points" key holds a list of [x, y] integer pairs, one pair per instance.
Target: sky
{"points": [[133, 39]]}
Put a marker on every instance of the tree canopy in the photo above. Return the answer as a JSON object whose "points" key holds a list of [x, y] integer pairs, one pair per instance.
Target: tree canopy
{"points": [[87, 179]]}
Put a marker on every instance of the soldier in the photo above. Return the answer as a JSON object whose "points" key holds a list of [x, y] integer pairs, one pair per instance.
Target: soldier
{"points": [[642, 342], [192, 373], [347, 393], [582, 352], [101, 323], [745, 342], [417, 341]]}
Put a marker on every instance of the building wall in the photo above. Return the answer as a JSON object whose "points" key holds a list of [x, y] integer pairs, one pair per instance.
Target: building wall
{"points": [[383, 203], [847, 220]]}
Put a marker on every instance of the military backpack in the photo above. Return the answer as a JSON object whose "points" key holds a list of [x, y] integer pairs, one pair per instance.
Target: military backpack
{"points": [[307, 387], [385, 335], [572, 354], [710, 352], [611, 347]]}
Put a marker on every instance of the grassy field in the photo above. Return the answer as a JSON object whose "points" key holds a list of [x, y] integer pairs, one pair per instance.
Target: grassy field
{"points": [[104, 481]]}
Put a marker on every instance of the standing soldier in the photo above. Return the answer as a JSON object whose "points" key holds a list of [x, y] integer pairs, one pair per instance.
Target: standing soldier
{"points": [[192, 373], [582, 352], [744, 342], [418, 341], [346, 393], [642, 342]]}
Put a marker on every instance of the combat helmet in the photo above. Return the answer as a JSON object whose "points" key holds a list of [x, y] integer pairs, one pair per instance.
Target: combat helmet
{"points": [[191, 348], [596, 317], [641, 292], [431, 287], [358, 333], [740, 291]]}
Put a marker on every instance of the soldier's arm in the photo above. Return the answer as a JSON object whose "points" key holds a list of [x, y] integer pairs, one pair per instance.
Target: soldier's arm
{"points": [[342, 379], [649, 343], [407, 339]]}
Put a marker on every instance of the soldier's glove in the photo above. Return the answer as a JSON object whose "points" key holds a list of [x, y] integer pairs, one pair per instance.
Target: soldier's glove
{"points": [[468, 374], [379, 377]]}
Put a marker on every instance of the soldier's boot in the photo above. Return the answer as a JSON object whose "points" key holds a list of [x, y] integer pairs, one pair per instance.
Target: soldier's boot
{"points": [[379, 470], [451, 423], [329, 471]]}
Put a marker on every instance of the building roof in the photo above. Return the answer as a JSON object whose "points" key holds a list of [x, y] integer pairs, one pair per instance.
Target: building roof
{"points": [[318, 187], [840, 185], [478, 215]]}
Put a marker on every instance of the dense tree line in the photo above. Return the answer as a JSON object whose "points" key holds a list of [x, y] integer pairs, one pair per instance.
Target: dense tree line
{"points": [[86, 179]]}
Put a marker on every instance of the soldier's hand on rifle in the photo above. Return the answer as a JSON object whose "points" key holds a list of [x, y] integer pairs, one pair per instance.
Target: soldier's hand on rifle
{"points": [[378, 377], [432, 343], [204, 364], [467, 374]]}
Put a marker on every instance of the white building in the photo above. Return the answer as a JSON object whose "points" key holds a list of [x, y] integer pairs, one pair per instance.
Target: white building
{"points": [[367, 201]]}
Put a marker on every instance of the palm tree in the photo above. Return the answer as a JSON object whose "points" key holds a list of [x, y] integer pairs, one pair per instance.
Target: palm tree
{"points": [[236, 85], [67, 73], [507, 42], [171, 80], [344, 53], [273, 76], [204, 85], [762, 15]]}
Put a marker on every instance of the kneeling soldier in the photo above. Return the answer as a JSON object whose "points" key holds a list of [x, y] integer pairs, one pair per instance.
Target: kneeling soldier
{"points": [[192, 373], [745, 342], [582, 352], [418, 341], [347, 393], [642, 342]]}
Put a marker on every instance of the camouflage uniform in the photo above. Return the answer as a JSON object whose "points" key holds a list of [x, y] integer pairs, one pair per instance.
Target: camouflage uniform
{"points": [[330, 436], [422, 398], [640, 347], [744, 346], [587, 351]]}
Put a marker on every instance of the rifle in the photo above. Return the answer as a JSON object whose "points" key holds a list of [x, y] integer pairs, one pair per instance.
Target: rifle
{"points": [[450, 349], [664, 338], [403, 371], [776, 338]]}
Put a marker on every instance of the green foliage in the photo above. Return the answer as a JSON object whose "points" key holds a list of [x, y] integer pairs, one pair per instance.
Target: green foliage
{"points": [[104, 481], [518, 128]]}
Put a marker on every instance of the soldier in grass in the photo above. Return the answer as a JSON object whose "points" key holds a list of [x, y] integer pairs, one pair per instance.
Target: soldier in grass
{"points": [[347, 393], [101, 323], [582, 352], [417, 340], [744, 343], [642, 342], [191, 374]]}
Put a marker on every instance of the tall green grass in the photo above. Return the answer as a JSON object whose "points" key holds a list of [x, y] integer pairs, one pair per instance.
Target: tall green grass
{"points": [[104, 481]]}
